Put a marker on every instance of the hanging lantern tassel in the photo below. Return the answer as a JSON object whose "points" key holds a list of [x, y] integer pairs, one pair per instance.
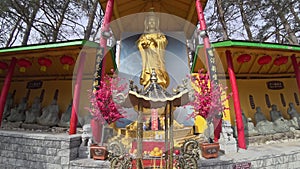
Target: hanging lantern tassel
{"points": [[67, 61], [44, 62], [23, 64], [3, 66]]}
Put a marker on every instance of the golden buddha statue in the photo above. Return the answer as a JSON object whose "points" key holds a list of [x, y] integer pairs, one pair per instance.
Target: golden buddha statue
{"points": [[152, 46]]}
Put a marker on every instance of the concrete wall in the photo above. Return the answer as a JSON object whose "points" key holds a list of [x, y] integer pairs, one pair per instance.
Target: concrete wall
{"points": [[37, 150]]}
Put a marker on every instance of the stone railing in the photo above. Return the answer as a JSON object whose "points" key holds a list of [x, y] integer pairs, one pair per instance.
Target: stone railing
{"points": [[37, 150]]}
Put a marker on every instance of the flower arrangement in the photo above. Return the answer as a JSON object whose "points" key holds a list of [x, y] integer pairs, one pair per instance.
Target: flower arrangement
{"points": [[103, 108], [209, 99]]}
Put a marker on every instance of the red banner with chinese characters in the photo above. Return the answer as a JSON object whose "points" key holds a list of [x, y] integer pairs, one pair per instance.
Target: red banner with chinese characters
{"points": [[154, 119]]}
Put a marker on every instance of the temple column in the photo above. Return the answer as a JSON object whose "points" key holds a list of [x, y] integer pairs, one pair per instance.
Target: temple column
{"points": [[76, 96], [296, 70], [211, 65], [6, 86], [100, 64], [236, 102]]}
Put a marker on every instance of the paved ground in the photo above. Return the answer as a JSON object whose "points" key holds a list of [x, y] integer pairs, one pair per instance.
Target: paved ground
{"points": [[278, 155], [275, 155]]}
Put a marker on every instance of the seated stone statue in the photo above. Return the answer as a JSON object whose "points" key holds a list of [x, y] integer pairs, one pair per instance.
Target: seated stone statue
{"points": [[263, 126], [49, 115], [294, 115], [17, 114], [249, 128], [280, 124], [65, 117], [275, 114], [8, 105], [34, 112], [259, 116], [252, 131]]}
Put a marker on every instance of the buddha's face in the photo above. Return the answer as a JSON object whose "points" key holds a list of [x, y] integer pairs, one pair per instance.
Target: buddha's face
{"points": [[151, 23]]}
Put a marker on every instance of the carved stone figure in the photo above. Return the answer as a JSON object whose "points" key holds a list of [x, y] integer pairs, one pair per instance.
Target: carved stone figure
{"points": [[18, 113], [280, 124], [227, 141], [152, 46], [259, 116], [252, 131], [34, 112], [65, 117], [263, 126], [275, 114], [86, 141], [249, 127], [49, 115], [294, 115], [8, 105]]}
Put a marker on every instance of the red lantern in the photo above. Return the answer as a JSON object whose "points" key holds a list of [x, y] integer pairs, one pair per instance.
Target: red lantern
{"points": [[23, 64], [280, 60], [244, 58], [67, 61], [44, 62], [3, 66], [266, 59]]}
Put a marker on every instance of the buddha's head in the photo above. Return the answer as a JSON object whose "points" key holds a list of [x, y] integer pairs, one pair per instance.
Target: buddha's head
{"points": [[151, 23]]}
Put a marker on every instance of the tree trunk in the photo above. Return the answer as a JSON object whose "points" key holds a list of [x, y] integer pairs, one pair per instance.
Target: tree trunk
{"points": [[221, 18], [244, 20], [89, 26], [60, 21]]}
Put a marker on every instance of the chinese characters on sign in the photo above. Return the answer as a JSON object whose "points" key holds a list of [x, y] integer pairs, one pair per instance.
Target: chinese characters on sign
{"points": [[35, 84], [275, 85], [212, 65]]}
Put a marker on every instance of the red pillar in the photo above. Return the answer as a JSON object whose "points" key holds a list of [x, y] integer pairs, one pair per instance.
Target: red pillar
{"points": [[217, 121], [236, 100], [6, 86], [76, 96], [105, 28], [296, 70], [95, 125]]}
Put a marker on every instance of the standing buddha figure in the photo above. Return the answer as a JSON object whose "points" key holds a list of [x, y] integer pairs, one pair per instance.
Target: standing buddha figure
{"points": [[152, 46]]}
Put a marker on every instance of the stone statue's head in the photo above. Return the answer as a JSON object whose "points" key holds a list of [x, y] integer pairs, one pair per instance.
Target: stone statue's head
{"points": [[258, 109], [274, 107], [291, 105], [151, 23]]}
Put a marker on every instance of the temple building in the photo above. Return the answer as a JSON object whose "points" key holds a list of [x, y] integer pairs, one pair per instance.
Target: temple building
{"points": [[155, 53]]}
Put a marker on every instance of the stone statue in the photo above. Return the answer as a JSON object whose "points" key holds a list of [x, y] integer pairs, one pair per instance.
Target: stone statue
{"points": [[17, 114], [227, 141], [86, 136], [65, 117], [274, 113], [280, 124], [8, 105], [259, 116], [294, 115], [34, 112], [263, 126], [152, 46], [250, 130], [249, 127], [49, 115]]}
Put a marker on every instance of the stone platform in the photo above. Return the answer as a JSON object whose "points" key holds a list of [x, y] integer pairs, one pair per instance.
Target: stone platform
{"points": [[272, 156]]}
